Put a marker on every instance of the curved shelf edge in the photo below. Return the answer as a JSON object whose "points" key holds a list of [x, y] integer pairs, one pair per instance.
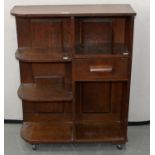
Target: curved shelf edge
{"points": [[34, 93], [42, 55], [39, 133]]}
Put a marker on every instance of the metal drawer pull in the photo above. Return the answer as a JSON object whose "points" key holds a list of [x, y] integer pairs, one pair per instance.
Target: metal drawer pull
{"points": [[65, 58], [100, 68], [125, 53]]}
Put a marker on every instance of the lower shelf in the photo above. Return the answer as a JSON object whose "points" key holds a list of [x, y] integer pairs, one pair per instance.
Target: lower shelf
{"points": [[40, 132], [36, 133], [99, 132]]}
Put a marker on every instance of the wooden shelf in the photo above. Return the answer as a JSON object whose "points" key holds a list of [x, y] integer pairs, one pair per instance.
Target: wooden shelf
{"points": [[43, 92], [43, 55], [45, 132], [115, 50], [65, 10], [99, 132]]}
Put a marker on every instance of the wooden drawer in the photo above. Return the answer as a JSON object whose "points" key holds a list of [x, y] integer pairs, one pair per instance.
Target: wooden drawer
{"points": [[100, 69]]}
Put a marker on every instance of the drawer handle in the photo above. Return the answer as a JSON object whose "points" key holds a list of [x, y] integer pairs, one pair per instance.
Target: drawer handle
{"points": [[100, 68], [65, 58]]}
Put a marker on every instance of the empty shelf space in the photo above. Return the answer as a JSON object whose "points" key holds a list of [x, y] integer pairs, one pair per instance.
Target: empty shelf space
{"points": [[43, 55], [45, 132], [99, 132], [101, 50], [42, 92]]}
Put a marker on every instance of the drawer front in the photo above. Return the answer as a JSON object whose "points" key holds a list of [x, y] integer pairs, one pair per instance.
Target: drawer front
{"points": [[100, 69]]}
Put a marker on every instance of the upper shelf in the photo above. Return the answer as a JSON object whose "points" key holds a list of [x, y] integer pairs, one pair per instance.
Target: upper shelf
{"points": [[43, 55], [116, 49], [59, 55], [65, 10]]}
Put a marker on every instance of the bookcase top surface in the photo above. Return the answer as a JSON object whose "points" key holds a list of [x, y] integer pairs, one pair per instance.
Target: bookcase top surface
{"points": [[76, 10]]}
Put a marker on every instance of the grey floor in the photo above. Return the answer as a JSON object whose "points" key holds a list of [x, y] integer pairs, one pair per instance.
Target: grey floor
{"points": [[139, 144]]}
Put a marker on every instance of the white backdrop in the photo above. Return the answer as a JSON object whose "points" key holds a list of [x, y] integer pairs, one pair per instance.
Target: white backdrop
{"points": [[140, 90]]}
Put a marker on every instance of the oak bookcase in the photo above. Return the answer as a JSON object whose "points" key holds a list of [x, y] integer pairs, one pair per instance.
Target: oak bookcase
{"points": [[75, 67]]}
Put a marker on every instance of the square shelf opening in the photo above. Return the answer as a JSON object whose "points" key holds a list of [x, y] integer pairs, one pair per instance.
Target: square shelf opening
{"points": [[51, 33], [98, 35]]}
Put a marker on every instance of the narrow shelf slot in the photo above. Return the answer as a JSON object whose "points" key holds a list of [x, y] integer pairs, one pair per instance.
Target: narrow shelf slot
{"points": [[107, 49]]}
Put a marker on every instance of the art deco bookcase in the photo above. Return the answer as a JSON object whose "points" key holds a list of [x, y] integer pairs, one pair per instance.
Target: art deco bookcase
{"points": [[75, 68]]}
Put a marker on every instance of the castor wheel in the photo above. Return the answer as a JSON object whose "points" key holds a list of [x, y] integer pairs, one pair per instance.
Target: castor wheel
{"points": [[34, 147], [119, 147]]}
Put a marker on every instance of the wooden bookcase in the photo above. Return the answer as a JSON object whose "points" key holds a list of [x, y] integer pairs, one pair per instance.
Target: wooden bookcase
{"points": [[75, 66]]}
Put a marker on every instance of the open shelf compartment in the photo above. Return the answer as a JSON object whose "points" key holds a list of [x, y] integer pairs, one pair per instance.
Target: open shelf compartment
{"points": [[99, 132], [100, 36], [44, 90], [46, 132], [44, 39]]}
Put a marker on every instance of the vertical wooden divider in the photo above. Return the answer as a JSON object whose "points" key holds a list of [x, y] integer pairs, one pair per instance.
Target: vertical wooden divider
{"points": [[73, 82]]}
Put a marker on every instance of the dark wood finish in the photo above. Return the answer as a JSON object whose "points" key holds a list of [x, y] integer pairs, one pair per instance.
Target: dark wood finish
{"points": [[98, 132], [65, 10], [56, 111], [23, 31], [44, 90], [85, 34], [100, 69], [101, 50], [43, 55], [26, 74], [94, 102], [36, 133], [99, 101], [75, 67]]}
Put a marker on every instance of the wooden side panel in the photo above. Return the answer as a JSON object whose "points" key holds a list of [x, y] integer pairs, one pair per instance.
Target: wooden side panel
{"points": [[26, 73], [50, 33], [119, 30], [100, 101], [116, 97], [47, 107], [129, 26], [95, 97], [47, 111], [63, 70], [45, 33], [101, 35], [23, 32], [48, 69], [68, 76], [67, 33]]}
